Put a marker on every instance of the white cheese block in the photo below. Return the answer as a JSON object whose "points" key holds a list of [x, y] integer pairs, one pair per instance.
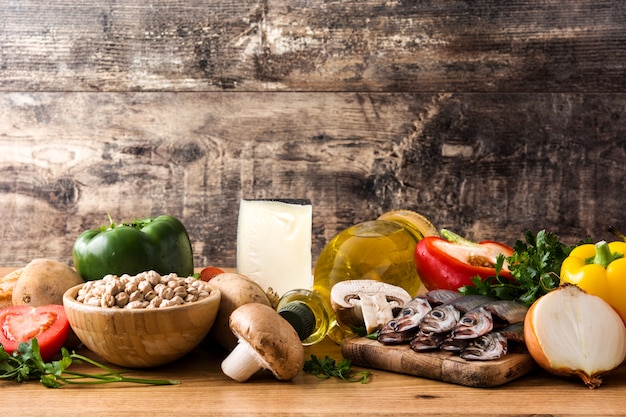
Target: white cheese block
{"points": [[274, 243]]}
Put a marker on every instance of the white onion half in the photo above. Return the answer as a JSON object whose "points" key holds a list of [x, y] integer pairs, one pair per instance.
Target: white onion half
{"points": [[572, 333]]}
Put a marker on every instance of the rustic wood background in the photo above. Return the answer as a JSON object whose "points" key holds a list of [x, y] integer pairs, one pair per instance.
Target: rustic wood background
{"points": [[490, 118]]}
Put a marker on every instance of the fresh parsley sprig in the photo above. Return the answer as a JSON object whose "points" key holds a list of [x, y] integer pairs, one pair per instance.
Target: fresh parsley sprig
{"points": [[361, 331], [26, 364], [535, 265], [327, 367]]}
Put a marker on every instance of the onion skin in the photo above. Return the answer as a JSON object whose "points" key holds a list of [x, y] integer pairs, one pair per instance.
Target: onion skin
{"points": [[592, 380]]}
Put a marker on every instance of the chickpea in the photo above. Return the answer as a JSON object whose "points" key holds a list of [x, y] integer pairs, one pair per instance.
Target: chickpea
{"points": [[144, 290]]}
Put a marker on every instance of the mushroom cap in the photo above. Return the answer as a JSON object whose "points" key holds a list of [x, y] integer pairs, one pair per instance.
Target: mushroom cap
{"points": [[344, 294], [271, 336], [236, 290], [364, 302]]}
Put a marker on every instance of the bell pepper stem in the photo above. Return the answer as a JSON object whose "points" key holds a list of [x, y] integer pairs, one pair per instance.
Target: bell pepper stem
{"points": [[603, 254], [452, 237], [111, 224]]}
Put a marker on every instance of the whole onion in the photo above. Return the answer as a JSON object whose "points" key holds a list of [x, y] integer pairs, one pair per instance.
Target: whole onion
{"points": [[569, 332]]}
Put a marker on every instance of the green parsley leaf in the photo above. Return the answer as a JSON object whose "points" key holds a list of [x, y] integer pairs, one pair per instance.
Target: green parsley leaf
{"points": [[373, 335], [535, 265], [26, 364], [327, 367]]}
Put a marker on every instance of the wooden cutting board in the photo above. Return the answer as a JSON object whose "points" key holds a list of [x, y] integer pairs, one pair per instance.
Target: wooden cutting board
{"points": [[440, 365]]}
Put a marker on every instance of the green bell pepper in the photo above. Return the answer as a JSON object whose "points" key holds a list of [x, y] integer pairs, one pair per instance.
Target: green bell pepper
{"points": [[155, 243]]}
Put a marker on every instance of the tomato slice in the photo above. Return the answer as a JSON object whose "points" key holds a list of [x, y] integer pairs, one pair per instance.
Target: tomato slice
{"points": [[209, 272], [48, 324]]}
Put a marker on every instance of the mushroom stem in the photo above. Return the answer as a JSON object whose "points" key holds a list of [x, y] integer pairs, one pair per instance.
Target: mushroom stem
{"points": [[242, 362], [376, 311]]}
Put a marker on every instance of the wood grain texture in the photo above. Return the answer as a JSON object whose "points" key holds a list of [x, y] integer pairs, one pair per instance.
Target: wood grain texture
{"points": [[462, 160], [489, 119], [260, 45], [441, 365], [205, 390]]}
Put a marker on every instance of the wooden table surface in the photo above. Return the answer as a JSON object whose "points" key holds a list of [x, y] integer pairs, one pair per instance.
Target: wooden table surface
{"points": [[205, 390]]}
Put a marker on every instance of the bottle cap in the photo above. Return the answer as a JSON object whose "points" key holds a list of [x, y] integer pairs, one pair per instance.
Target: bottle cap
{"points": [[300, 316]]}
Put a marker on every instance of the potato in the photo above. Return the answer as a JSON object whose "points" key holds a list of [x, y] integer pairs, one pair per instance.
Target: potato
{"points": [[43, 281], [236, 290]]}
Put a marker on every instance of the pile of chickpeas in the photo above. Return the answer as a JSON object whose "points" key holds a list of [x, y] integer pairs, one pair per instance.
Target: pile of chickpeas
{"points": [[144, 290]]}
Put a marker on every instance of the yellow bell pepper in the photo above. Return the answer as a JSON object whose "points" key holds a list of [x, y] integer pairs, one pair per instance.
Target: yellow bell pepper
{"points": [[599, 269]]}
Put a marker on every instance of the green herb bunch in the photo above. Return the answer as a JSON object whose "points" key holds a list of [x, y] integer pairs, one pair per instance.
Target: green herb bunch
{"points": [[327, 367], [26, 364], [535, 265]]}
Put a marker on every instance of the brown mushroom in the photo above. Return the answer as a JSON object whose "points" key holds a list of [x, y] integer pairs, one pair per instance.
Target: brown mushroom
{"points": [[265, 341], [367, 303], [236, 290]]}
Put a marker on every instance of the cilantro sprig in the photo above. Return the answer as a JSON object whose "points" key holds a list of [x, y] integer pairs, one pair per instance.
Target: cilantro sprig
{"points": [[535, 265], [26, 364], [327, 367]]}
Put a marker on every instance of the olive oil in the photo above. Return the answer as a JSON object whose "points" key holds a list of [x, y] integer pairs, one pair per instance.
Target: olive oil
{"points": [[381, 249]]}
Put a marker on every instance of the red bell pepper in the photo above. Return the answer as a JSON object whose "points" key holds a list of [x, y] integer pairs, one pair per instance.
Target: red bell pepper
{"points": [[450, 262]]}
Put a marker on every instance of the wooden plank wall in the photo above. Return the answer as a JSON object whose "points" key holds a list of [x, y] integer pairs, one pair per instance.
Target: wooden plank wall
{"points": [[490, 118]]}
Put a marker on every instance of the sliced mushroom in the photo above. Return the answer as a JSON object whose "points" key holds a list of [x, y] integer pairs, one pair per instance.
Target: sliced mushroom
{"points": [[265, 341], [367, 303]]}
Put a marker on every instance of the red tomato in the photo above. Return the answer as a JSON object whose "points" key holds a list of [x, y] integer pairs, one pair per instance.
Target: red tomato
{"points": [[22, 323], [209, 272]]}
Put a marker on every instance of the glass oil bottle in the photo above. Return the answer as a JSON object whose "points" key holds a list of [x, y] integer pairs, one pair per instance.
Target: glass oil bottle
{"points": [[308, 313], [381, 249]]}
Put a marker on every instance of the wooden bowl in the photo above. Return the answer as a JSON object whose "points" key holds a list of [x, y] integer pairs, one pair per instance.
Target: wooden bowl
{"points": [[141, 338]]}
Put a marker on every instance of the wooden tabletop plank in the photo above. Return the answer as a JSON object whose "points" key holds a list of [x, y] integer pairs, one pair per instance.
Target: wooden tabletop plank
{"points": [[205, 390]]}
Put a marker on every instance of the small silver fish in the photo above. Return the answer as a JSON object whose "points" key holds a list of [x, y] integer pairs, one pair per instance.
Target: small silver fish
{"points": [[493, 345], [427, 341], [414, 311], [482, 319], [453, 345], [389, 336], [443, 318]]}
